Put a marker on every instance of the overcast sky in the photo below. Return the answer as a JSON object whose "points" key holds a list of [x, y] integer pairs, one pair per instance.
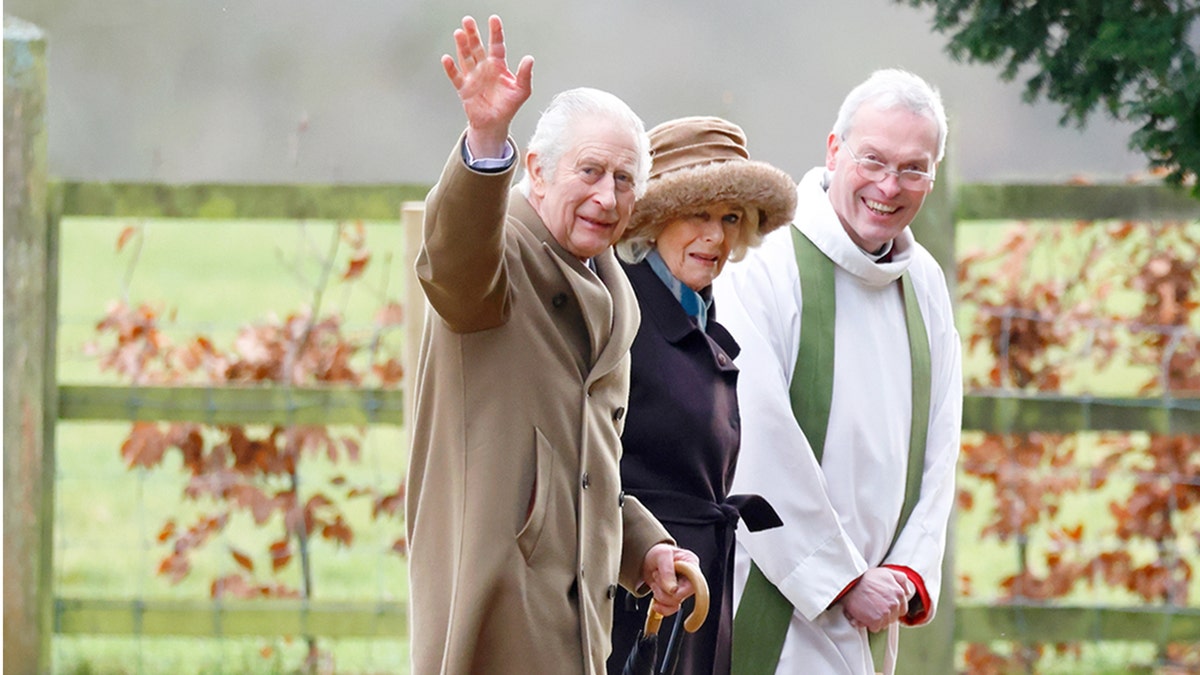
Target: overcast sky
{"points": [[352, 91]]}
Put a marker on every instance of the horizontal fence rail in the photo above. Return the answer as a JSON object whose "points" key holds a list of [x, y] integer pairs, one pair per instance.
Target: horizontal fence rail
{"points": [[994, 412], [239, 618], [233, 405], [1074, 202], [1067, 623], [235, 202], [1014, 412]]}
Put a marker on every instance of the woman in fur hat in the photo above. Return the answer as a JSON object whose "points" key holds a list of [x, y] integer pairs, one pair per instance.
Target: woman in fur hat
{"points": [[705, 204]]}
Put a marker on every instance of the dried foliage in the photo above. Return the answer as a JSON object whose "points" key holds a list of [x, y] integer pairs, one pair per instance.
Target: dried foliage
{"points": [[236, 471], [1068, 309]]}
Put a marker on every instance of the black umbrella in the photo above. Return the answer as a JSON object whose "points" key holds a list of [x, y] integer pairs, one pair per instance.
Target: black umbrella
{"points": [[645, 651]]}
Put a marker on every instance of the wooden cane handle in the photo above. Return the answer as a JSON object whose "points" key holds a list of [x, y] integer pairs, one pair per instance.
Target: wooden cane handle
{"points": [[699, 613]]}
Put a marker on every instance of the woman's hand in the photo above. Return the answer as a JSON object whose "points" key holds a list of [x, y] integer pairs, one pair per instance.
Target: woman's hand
{"points": [[658, 572]]}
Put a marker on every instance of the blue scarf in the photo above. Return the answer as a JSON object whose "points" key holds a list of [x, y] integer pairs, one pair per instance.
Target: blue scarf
{"points": [[694, 304]]}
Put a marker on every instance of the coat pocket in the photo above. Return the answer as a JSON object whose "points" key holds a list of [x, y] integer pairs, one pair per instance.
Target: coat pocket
{"points": [[539, 497]]}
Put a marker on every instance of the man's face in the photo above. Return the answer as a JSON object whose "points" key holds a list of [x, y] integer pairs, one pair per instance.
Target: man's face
{"points": [[587, 203], [875, 212]]}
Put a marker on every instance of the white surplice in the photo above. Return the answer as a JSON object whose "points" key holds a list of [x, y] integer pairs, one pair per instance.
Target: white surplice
{"points": [[840, 517]]}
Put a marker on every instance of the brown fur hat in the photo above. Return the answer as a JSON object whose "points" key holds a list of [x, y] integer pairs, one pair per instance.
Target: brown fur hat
{"points": [[703, 160]]}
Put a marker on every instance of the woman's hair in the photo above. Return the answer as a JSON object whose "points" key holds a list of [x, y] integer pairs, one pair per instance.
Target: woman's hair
{"points": [[636, 247], [552, 136], [888, 89]]}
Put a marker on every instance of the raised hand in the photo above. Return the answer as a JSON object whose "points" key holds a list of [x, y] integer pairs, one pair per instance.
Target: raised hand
{"points": [[490, 93]]}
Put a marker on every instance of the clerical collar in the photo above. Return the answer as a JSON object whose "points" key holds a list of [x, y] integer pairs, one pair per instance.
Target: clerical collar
{"points": [[693, 303], [884, 252]]}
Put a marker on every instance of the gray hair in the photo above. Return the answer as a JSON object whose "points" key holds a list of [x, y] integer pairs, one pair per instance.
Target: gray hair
{"points": [[552, 136], [634, 248], [890, 88]]}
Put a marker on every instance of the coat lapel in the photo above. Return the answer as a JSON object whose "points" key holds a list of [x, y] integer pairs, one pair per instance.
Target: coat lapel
{"points": [[605, 297], [659, 305], [625, 314], [594, 301]]}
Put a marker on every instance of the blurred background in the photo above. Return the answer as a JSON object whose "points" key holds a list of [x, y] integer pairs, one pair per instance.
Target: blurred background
{"points": [[1071, 531], [317, 91]]}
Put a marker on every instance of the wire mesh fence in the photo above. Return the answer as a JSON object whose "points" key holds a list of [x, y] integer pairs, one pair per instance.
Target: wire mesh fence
{"points": [[1092, 505]]}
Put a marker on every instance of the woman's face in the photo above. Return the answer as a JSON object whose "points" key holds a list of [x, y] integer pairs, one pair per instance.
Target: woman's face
{"points": [[696, 246]]}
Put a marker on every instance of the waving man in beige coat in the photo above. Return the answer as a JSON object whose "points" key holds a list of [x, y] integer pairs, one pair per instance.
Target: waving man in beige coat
{"points": [[518, 529]]}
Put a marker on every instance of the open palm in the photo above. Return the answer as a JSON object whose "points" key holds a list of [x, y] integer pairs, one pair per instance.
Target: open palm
{"points": [[490, 93]]}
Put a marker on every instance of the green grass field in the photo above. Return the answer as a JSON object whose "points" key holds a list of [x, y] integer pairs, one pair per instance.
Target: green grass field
{"points": [[212, 278]]}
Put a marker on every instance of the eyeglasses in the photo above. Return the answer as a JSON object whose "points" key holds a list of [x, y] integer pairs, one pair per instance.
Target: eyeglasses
{"points": [[875, 170]]}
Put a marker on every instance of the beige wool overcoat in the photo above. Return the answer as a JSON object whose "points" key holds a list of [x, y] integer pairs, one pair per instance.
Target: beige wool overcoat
{"points": [[518, 531]]}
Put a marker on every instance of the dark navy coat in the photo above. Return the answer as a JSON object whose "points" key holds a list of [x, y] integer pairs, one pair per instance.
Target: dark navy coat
{"points": [[680, 450]]}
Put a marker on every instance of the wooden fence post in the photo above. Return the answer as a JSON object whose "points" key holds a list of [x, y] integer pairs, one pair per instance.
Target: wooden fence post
{"points": [[411, 222], [30, 403], [930, 649]]}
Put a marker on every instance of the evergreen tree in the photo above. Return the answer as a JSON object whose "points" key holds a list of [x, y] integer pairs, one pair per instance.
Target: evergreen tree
{"points": [[1136, 59]]}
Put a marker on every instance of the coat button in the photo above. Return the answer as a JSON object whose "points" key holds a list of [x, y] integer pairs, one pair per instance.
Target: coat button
{"points": [[618, 414], [721, 359], [621, 499], [559, 300], [587, 480], [612, 591]]}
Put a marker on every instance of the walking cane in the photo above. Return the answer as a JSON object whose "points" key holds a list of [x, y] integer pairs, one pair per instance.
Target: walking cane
{"points": [[645, 650]]}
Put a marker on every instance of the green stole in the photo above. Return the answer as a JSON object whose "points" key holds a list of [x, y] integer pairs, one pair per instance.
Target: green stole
{"points": [[761, 624]]}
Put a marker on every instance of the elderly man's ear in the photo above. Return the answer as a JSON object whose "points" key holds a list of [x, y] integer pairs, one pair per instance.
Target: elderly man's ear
{"points": [[831, 147], [533, 167]]}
